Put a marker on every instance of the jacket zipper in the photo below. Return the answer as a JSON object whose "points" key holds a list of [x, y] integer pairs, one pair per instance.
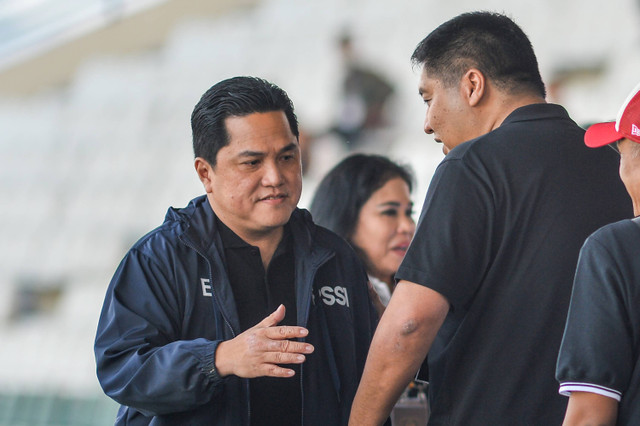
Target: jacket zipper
{"points": [[301, 397], [213, 291], [226, 321], [315, 270], [234, 334]]}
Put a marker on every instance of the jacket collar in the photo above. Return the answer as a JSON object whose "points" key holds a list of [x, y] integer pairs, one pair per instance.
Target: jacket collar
{"points": [[201, 232], [201, 227]]}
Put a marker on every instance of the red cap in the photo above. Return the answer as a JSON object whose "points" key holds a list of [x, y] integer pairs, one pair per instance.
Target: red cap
{"points": [[627, 125]]}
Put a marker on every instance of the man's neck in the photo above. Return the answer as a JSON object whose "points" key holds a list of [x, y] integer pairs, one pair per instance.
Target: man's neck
{"points": [[266, 240], [508, 104]]}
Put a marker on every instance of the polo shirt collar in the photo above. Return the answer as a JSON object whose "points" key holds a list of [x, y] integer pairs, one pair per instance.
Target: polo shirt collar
{"points": [[540, 111], [231, 240]]}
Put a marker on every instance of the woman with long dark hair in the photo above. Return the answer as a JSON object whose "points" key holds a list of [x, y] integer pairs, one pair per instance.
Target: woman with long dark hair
{"points": [[366, 200]]}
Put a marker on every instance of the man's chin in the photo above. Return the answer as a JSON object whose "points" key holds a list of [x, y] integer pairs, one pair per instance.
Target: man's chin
{"points": [[275, 220]]}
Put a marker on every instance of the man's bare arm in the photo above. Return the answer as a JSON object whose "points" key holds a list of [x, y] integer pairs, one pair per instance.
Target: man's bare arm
{"points": [[401, 341], [590, 409]]}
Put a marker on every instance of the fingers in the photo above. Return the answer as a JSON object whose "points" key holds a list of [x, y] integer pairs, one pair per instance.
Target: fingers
{"points": [[285, 332], [264, 348], [274, 318], [288, 347], [282, 332], [282, 358], [260, 342], [256, 357], [274, 370], [274, 361]]}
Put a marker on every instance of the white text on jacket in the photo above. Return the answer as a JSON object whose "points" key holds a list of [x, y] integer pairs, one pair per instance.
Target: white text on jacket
{"points": [[333, 295]]}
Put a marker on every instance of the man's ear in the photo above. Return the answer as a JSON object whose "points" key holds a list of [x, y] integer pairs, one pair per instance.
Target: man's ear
{"points": [[474, 85], [205, 173]]}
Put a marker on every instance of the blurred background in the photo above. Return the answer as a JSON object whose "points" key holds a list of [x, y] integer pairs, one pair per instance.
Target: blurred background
{"points": [[95, 103]]}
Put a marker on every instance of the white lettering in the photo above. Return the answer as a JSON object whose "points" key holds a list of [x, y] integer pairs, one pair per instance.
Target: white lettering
{"points": [[333, 295], [327, 296], [635, 130], [341, 296], [206, 287]]}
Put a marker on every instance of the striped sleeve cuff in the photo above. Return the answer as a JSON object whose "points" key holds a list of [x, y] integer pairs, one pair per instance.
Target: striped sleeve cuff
{"points": [[567, 387]]}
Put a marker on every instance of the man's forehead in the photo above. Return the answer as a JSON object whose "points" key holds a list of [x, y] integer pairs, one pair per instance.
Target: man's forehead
{"points": [[272, 148], [259, 124], [262, 142], [256, 119], [425, 83]]}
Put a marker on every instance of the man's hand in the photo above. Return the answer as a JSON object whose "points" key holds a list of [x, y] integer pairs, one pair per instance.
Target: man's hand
{"points": [[258, 351]]}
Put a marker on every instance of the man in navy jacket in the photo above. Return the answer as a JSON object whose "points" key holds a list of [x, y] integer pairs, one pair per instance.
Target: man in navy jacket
{"points": [[237, 310]]}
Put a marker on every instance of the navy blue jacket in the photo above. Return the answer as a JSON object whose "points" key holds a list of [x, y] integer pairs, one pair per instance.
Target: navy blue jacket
{"points": [[170, 303]]}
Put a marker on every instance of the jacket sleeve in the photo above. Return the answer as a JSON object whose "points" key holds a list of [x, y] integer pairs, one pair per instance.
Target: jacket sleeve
{"points": [[141, 362]]}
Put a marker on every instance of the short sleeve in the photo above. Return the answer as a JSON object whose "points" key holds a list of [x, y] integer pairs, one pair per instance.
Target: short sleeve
{"points": [[451, 248], [596, 354]]}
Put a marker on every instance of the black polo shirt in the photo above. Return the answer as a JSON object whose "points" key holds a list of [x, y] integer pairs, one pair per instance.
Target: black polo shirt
{"points": [[257, 293], [499, 235], [600, 352]]}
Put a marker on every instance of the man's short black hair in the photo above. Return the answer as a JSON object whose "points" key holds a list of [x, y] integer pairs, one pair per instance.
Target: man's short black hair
{"points": [[234, 97], [490, 42]]}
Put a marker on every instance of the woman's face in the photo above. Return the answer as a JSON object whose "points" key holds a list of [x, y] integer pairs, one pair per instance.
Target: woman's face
{"points": [[385, 228]]}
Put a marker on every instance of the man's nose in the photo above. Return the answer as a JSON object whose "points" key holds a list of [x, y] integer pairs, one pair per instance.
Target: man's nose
{"points": [[427, 127], [272, 175]]}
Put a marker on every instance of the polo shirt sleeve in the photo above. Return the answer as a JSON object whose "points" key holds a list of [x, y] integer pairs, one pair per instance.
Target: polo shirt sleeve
{"points": [[596, 354], [451, 247]]}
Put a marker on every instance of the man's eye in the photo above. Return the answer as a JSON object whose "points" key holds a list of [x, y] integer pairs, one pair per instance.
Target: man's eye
{"points": [[252, 162]]}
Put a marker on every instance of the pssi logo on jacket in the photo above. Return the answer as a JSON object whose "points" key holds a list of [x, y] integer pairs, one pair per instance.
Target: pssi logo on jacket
{"points": [[332, 295], [329, 295]]}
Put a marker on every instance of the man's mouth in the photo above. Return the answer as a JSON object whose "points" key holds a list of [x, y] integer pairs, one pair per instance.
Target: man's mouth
{"points": [[273, 197]]}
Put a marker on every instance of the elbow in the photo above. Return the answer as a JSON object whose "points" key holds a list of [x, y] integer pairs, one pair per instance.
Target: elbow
{"points": [[408, 334], [409, 330], [408, 327]]}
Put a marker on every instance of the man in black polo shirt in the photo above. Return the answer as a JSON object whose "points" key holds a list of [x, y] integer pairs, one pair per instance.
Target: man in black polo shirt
{"points": [[238, 309], [485, 285], [599, 361]]}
